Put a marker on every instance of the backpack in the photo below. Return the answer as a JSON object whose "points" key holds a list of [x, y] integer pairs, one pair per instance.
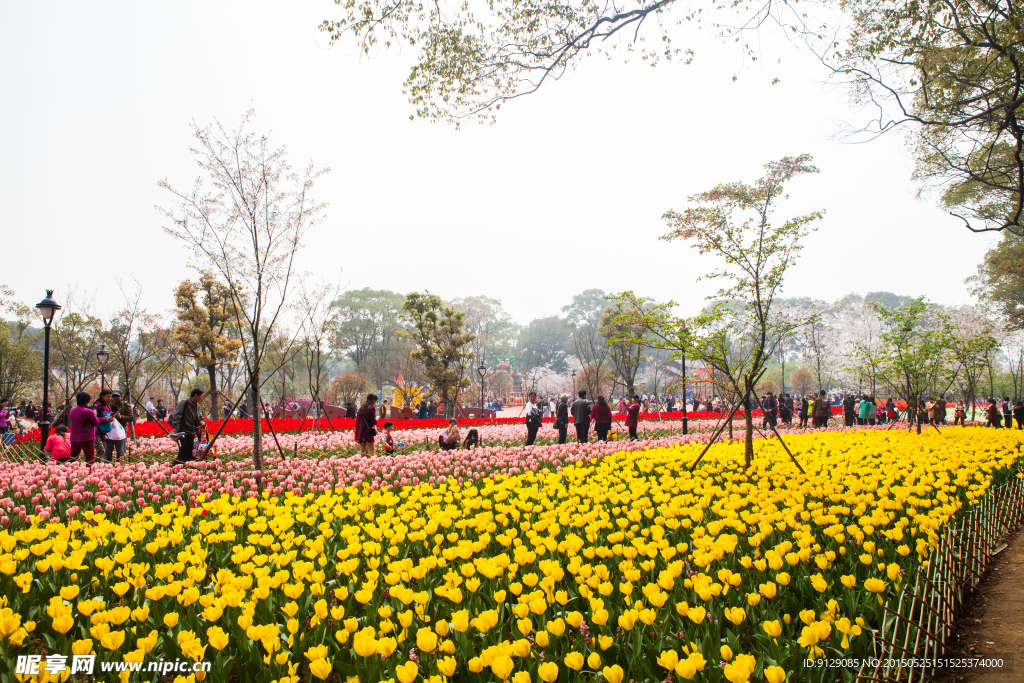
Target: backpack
{"points": [[534, 418]]}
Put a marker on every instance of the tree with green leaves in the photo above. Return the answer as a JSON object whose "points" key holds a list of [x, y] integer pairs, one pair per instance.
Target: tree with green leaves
{"points": [[626, 345], [971, 342], [441, 345], [20, 369], [951, 73], [206, 314], [1000, 280], [366, 329], [544, 342], [75, 337], [738, 334], [914, 356]]}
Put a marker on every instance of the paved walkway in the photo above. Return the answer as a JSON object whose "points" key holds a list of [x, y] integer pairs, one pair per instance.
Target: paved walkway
{"points": [[993, 626]]}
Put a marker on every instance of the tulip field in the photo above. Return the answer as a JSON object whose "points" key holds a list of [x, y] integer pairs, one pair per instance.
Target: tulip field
{"points": [[610, 562]]}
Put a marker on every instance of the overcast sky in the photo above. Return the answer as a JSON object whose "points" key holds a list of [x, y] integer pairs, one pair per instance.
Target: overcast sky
{"points": [[564, 193]]}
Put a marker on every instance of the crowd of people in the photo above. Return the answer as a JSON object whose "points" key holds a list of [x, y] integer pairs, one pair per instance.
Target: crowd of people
{"points": [[101, 428]]}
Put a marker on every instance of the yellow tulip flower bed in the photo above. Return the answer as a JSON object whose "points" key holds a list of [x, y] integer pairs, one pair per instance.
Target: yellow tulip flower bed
{"points": [[630, 566]]}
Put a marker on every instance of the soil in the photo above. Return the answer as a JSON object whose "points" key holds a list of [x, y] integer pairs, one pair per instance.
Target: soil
{"points": [[991, 624]]}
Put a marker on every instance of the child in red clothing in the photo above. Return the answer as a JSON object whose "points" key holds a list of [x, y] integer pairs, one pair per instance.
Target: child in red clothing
{"points": [[387, 441]]}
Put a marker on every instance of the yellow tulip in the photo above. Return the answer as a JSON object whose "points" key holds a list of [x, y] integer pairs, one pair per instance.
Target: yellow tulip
{"points": [[574, 660], [426, 639], [613, 674], [726, 653], [63, 623], [548, 672], [668, 659], [217, 638], [460, 620], [171, 619], [407, 672], [594, 660], [502, 667], [736, 673], [446, 666], [385, 646], [320, 668], [774, 674]]}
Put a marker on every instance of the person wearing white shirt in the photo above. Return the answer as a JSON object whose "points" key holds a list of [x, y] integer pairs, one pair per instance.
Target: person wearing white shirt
{"points": [[150, 410]]}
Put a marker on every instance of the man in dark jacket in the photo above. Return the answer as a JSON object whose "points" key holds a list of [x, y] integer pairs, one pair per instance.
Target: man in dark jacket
{"points": [[186, 420], [822, 410], [770, 406], [940, 410], [581, 417], [562, 417], [849, 410]]}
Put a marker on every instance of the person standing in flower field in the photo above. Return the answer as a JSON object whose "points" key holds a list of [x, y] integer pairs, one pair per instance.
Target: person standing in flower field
{"points": [[366, 425], [633, 417], [186, 419], [83, 424], [387, 442], [115, 439], [150, 410], [822, 410], [601, 414], [770, 406], [992, 412], [533, 418], [3, 419], [562, 418], [581, 417]]}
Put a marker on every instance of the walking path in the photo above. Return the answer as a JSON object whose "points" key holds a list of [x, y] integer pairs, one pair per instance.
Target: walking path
{"points": [[992, 625]]}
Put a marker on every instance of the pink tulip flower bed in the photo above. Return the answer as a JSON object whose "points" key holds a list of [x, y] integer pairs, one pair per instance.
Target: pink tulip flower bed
{"points": [[64, 491], [319, 444]]}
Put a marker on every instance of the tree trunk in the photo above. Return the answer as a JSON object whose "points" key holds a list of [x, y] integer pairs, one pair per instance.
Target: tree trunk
{"points": [[257, 429], [211, 370], [748, 441]]}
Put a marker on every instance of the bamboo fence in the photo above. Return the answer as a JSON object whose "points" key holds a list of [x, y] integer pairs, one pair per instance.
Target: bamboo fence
{"points": [[921, 624]]}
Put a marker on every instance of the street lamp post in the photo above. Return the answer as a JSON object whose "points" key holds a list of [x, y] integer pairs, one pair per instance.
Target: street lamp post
{"points": [[102, 355], [483, 371], [47, 309], [782, 352], [685, 429]]}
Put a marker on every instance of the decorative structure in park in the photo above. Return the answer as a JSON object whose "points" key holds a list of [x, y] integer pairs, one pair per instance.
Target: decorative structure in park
{"points": [[507, 365]]}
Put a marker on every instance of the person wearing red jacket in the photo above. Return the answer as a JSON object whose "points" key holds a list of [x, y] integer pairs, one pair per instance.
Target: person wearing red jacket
{"points": [[995, 416], [601, 414], [633, 417]]}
